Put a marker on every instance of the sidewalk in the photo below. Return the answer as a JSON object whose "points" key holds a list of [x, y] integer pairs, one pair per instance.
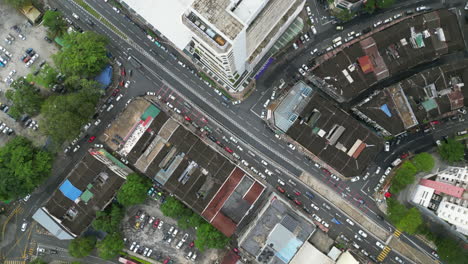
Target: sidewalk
{"points": [[344, 206]]}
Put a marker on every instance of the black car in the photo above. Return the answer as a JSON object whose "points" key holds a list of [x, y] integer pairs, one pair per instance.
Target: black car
{"points": [[306, 210], [212, 138], [366, 30], [380, 217], [91, 23]]}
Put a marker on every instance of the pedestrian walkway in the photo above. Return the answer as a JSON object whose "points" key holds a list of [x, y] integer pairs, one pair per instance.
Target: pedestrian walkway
{"points": [[384, 253], [397, 233], [14, 262]]}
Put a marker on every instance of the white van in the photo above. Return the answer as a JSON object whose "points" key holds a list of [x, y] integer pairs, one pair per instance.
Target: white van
{"points": [[336, 40], [266, 103]]}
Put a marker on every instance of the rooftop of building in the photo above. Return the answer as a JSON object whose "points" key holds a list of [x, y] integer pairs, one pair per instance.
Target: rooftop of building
{"points": [[308, 252], [391, 50], [331, 134], [444, 188], [88, 188], [277, 233], [166, 151], [421, 97]]}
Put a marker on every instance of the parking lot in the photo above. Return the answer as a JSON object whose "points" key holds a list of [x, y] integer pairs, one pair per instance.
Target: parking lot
{"points": [[148, 231], [16, 37]]}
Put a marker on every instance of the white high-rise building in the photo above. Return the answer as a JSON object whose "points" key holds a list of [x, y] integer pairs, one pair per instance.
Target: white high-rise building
{"points": [[228, 37]]}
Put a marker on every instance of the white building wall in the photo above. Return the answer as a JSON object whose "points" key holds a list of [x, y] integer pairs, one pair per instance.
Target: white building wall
{"points": [[240, 52], [454, 175], [454, 214]]}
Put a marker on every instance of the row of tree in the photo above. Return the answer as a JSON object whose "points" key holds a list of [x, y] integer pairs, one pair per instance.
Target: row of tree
{"points": [[207, 235], [405, 174], [132, 192]]}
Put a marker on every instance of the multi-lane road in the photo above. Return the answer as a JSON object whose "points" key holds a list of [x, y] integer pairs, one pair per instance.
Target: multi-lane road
{"points": [[160, 73]]}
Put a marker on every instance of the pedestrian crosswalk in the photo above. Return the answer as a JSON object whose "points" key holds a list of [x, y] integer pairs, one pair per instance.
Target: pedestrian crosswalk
{"points": [[14, 262], [384, 253], [397, 233]]}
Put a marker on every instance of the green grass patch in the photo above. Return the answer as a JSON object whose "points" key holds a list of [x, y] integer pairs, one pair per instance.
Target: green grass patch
{"points": [[462, 137], [47, 75], [88, 8], [113, 28], [134, 258], [117, 4]]}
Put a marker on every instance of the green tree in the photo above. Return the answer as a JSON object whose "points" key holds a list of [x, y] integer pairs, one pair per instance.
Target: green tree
{"points": [[210, 237], [403, 176], [18, 3], [410, 221], [109, 220], [84, 54], [54, 21], [45, 78], [396, 211], [423, 162], [450, 251], [38, 261], [382, 4], [134, 190], [75, 83], [344, 15], [64, 115], [175, 209], [110, 246], [82, 246], [452, 150], [26, 99], [22, 168], [369, 6]]}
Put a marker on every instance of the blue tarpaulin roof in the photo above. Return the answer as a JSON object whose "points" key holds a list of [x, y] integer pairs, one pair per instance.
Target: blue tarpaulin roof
{"points": [[385, 109], [70, 191], [105, 77]]}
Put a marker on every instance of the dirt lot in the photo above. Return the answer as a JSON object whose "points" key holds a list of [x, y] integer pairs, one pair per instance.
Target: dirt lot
{"points": [[152, 237], [34, 39]]}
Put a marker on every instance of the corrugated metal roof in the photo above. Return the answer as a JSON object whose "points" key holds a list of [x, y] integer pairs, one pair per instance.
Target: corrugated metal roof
{"points": [[48, 223]]}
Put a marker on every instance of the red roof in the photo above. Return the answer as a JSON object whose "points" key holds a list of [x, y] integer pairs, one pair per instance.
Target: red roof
{"points": [[441, 187], [365, 63]]}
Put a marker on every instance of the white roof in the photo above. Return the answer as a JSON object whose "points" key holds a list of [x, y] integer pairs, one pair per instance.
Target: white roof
{"points": [[422, 196], [308, 254], [165, 16], [248, 8]]}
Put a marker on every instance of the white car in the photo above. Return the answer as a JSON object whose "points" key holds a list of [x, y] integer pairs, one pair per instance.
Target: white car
{"points": [[397, 258], [218, 92], [388, 170], [378, 23], [268, 172], [264, 163], [291, 146], [24, 226], [313, 30], [309, 12], [377, 171], [184, 238], [315, 207], [119, 97], [245, 163], [397, 16], [421, 8], [349, 221], [98, 145], [127, 84], [388, 20], [305, 67], [317, 218], [75, 16], [325, 224], [302, 71], [366, 176], [160, 224], [355, 179], [387, 146], [150, 93], [179, 245], [333, 176], [254, 170], [76, 148], [380, 245], [150, 37], [364, 252], [362, 233], [133, 246], [26, 198], [116, 9], [358, 238], [351, 33], [313, 51], [281, 182], [97, 122]]}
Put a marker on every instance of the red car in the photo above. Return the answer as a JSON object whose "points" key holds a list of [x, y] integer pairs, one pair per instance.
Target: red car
{"points": [[435, 122], [187, 118], [281, 190], [404, 155], [327, 172], [115, 92], [191, 244], [91, 139], [228, 150], [156, 223], [166, 260], [297, 193], [122, 71], [297, 202], [236, 250]]}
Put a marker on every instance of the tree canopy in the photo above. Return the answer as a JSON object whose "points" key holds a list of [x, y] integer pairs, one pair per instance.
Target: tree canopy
{"points": [[82, 246], [17, 3], [384, 3], [175, 209], [423, 162], [344, 15], [452, 150], [64, 115], [25, 97], [369, 6], [22, 168], [54, 21], [110, 246], [403, 176], [410, 221], [210, 237], [133, 190], [450, 251], [38, 261], [84, 54], [109, 220]]}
